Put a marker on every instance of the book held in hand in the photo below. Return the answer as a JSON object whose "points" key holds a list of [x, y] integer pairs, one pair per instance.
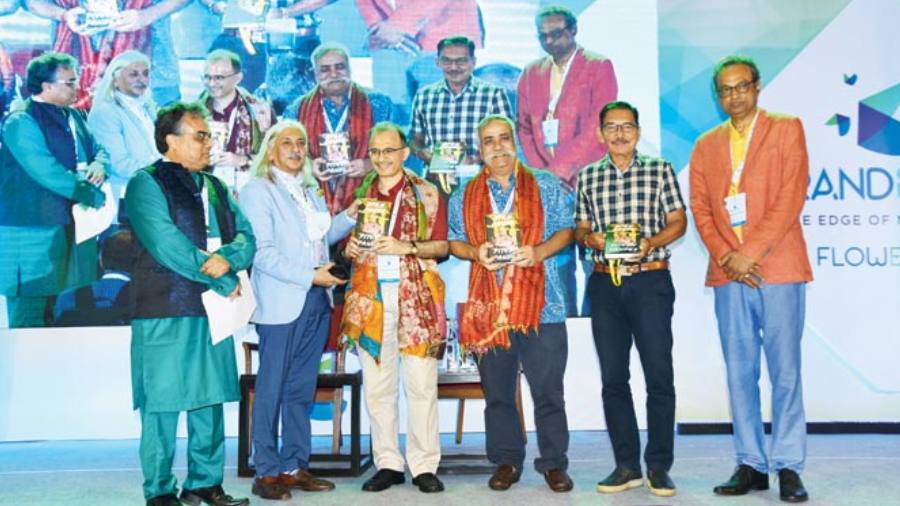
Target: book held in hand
{"points": [[504, 235], [623, 241], [372, 221], [336, 152], [99, 14], [446, 157]]}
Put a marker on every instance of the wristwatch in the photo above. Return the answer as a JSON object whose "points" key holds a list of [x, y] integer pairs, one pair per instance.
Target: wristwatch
{"points": [[415, 249]]}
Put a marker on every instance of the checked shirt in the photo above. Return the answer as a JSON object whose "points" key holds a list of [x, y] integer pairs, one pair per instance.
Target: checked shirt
{"points": [[643, 194], [442, 117]]}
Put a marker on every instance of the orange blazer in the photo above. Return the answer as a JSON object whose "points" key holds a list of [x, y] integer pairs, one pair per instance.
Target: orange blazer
{"points": [[776, 173]]}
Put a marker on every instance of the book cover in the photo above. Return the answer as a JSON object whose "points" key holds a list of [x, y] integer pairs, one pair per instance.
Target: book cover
{"points": [[372, 221], [446, 157], [623, 241], [504, 235], [100, 14], [336, 152]]}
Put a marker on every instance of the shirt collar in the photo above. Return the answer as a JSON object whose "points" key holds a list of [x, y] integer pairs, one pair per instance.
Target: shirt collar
{"points": [[636, 161], [468, 87]]}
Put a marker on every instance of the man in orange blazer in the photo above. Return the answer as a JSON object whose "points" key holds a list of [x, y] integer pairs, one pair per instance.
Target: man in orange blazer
{"points": [[748, 179]]}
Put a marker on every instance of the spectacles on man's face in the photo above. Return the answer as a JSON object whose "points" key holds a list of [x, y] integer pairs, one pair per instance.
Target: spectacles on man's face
{"points": [[71, 83], [201, 136], [741, 88], [625, 128], [218, 79], [376, 153], [443, 61], [553, 34]]}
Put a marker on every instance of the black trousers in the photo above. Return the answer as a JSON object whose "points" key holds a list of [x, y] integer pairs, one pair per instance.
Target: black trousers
{"points": [[543, 356], [640, 312]]}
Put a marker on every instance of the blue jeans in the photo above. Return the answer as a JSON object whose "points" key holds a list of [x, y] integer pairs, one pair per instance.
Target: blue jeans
{"points": [[769, 319], [543, 356], [639, 312], [289, 358]]}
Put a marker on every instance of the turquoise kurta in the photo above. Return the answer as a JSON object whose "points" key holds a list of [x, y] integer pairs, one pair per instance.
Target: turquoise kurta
{"points": [[44, 260], [174, 366]]}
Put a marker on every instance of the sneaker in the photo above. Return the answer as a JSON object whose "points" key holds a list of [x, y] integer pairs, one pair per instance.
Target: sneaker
{"points": [[660, 484], [620, 480]]}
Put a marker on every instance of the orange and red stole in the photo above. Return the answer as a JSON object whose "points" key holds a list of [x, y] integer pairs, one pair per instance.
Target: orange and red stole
{"points": [[422, 327], [493, 310]]}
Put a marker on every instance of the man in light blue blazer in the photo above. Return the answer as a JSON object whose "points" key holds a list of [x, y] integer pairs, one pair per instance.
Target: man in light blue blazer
{"points": [[123, 116], [292, 283]]}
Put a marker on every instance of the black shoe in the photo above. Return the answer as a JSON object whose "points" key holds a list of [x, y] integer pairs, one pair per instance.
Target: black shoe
{"points": [[164, 500], [214, 496], [428, 483], [791, 487], [660, 483], [744, 479], [383, 480], [619, 480]]}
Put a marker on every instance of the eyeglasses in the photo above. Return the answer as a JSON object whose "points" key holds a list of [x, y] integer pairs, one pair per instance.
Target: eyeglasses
{"points": [[375, 153], [553, 35], [71, 83], [199, 135], [625, 128], [218, 79], [449, 62], [741, 88]]}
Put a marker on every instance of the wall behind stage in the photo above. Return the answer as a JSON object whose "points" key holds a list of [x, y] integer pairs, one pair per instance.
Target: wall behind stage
{"points": [[829, 62]]}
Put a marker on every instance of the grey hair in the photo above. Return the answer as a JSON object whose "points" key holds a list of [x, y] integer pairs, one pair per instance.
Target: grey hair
{"points": [[260, 166], [330, 47], [106, 88]]}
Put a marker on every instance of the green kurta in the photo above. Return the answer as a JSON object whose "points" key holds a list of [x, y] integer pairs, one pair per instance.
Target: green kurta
{"points": [[174, 366], [41, 261]]}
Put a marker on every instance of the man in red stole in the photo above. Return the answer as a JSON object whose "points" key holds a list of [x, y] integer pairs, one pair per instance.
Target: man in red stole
{"points": [[337, 105], [394, 312], [515, 311]]}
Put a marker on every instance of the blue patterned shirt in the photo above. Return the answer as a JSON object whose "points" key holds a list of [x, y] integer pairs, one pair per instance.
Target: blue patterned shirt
{"points": [[559, 214]]}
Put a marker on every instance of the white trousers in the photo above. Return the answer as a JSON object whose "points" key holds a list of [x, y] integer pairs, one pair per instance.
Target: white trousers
{"points": [[380, 385]]}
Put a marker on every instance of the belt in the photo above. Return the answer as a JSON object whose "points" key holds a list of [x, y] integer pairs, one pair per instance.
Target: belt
{"points": [[629, 269]]}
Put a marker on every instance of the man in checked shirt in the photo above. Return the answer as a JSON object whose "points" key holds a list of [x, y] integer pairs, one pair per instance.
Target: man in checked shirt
{"points": [[450, 110], [626, 187]]}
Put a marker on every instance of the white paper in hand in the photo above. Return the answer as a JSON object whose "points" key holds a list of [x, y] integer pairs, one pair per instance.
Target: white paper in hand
{"points": [[90, 222], [227, 316]]}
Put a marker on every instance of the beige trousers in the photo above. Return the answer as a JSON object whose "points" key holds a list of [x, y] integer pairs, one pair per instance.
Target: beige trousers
{"points": [[380, 385]]}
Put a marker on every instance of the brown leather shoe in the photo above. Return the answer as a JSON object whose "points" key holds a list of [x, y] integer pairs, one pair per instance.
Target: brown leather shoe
{"points": [[270, 487], [558, 480], [304, 481], [504, 477]]}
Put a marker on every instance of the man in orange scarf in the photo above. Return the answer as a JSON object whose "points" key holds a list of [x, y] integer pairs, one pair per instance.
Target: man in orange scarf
{"points": [[515, 311], [394, 312]]}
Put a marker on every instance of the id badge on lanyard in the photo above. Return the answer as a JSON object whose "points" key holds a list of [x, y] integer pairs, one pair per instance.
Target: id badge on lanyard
{"points": [[212, 243], [550, 125], [389, 265], [736, 205]]}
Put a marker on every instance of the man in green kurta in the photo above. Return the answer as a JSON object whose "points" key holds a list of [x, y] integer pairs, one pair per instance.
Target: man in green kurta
{"points": [[48, 162], [194, 239]]}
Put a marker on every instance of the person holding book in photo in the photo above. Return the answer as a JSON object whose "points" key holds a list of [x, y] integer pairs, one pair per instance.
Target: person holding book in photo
{"points": [[446, 114], [394, 310], [624, 195], [338, 114], [291, 279], [515, 312], [748, 186]]}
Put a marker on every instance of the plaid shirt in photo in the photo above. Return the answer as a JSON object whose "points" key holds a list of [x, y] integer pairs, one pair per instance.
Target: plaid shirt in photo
{"points": [[442, 117], [643, 194]]}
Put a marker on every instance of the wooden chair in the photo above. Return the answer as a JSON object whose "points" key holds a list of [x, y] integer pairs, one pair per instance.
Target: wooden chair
{"points": [[334, 395], [462, 387]]}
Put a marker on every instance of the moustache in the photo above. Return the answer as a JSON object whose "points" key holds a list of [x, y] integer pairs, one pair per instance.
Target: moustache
{"points": [[335, 80], [498, 154]]}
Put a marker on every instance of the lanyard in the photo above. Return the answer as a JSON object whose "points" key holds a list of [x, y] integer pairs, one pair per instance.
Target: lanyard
{"points": [[341, 122], [204, 196], [554, 97], [74, 128], [509, 203], [395, 208], [739, 170]]}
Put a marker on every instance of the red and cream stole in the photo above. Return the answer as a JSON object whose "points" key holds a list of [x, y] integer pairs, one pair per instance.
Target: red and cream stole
{"points": [[492, 310], [422, 327]]}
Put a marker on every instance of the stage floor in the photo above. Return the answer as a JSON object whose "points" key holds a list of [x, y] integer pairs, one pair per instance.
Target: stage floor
{"points": [[841, 470]]}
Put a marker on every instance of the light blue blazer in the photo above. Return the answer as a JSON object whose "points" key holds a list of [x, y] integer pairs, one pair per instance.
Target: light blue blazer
{"points": [[116, 129], [285, 259]]}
